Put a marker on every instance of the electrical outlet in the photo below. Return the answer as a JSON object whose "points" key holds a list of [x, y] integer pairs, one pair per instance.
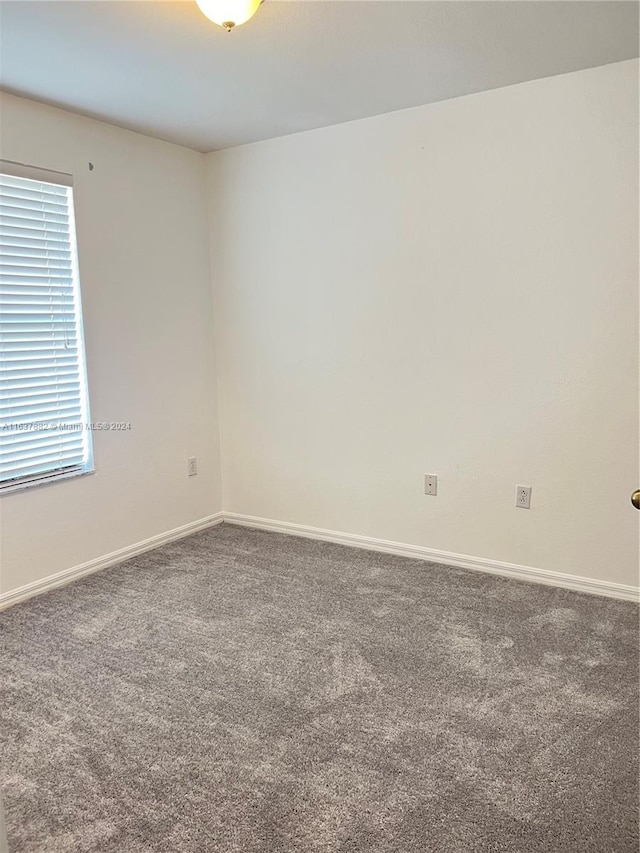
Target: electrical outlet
{"points": [[430, 484], [192, 466], [523, 497]]}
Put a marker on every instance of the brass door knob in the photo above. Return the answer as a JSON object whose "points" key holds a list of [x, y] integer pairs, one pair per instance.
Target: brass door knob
{"points": [[635, 499]]}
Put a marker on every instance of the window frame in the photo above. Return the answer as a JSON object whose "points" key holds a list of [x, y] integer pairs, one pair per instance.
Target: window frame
{"points": [[87, 466]]}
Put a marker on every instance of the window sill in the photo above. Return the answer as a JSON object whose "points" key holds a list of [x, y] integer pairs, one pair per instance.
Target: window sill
{"points": [[44, 481]]}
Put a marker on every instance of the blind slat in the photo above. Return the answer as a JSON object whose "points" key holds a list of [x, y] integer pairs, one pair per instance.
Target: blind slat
{"points": [[62, 448], [66, 413]]}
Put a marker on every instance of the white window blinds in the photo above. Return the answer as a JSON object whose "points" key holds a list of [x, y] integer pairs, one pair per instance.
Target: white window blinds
{"points": [[43, 399]]}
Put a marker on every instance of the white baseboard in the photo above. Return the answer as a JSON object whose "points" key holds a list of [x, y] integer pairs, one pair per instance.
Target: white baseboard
{"points": [[477, 564], [112, 559]]}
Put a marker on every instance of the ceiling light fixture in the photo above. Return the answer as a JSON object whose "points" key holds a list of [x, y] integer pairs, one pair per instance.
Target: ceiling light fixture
{"points": [[228, 13]]}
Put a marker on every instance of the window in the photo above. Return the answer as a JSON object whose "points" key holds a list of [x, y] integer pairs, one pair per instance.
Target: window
{"points": [[44, 411]]}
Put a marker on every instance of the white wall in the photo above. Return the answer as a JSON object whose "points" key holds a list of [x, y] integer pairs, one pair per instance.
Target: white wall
{"points": [[448, 289], [144, 267]]}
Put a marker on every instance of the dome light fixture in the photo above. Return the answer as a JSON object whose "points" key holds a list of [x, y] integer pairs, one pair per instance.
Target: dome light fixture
{"points": [[228, 13]]}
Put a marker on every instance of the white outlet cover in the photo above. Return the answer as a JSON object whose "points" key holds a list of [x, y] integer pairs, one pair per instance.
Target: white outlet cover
{"points": [[523, 497], [431, 484]]}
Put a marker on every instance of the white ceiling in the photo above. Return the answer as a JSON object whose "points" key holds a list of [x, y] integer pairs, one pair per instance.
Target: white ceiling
{"points": [[161, 68]]}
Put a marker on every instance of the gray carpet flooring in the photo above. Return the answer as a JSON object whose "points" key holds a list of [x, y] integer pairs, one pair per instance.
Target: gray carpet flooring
{"points": [[247, 692]]}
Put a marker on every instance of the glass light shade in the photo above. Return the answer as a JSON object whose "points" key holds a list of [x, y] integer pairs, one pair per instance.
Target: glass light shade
{"points": [[228, 13]]}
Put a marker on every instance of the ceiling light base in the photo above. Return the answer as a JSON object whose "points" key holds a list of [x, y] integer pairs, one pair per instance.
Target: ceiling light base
{"points": [[229, 14]]}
